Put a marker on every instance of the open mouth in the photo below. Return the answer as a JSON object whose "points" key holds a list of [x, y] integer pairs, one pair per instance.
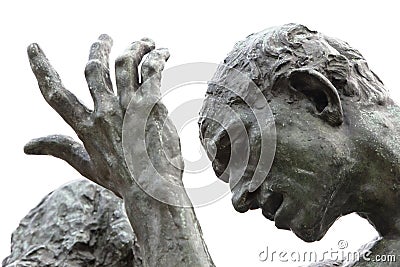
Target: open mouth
{"points": [[269, 203]]}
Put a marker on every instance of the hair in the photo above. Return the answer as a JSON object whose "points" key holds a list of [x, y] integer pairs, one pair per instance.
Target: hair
{"points": [[269, 55]]}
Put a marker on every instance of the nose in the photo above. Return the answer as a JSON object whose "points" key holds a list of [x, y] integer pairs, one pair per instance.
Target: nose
{"points": [[219, 148], [217, 139], [216, 142]]}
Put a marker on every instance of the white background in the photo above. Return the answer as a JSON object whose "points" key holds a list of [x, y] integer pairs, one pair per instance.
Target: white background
{"points": [[193, 31]]}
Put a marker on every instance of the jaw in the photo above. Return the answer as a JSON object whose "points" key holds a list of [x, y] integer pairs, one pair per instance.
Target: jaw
{"points": [[307, 211], [306, 222], [287, 214]]}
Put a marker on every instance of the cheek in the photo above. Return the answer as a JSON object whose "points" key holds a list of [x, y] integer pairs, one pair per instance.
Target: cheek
{"points": [[297, 150], [310, 169], [315, 147]]}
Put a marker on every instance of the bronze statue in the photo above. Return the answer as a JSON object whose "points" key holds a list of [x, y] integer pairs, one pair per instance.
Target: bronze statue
{"points": [[337, 144], [336, 139]]}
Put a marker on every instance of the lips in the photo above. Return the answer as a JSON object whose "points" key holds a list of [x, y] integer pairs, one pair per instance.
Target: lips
{"points": [[267, 200], [269, 203]]}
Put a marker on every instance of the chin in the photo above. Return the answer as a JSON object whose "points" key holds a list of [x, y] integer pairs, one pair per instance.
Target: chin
{"points": [[313, 234], [308, 236], [304, 232]]}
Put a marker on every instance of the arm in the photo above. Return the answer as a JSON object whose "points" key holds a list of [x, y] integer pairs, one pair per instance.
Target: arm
{"points": [[169, 235]]}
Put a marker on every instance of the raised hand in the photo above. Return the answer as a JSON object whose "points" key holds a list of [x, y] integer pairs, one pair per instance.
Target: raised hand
{"points": [[101, 158], [169, 235]]}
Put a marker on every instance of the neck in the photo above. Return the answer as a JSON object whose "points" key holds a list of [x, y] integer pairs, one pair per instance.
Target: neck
{"points": [[377, 140]]}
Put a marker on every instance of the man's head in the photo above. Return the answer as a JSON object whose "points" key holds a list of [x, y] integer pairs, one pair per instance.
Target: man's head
{"points": [[311, 83]]}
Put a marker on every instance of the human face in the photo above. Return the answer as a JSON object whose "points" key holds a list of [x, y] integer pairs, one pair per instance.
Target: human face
{"points": [[311, 163]]}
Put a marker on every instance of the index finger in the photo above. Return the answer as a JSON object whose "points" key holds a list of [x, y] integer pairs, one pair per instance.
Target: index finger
{"points": [[65, 103]]}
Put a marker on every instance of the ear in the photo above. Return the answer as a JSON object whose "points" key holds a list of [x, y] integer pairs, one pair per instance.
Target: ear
{"points": [[321, 92]]}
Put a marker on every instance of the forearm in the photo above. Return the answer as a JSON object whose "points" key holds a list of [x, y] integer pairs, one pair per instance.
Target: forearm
{"points": [[168, 234]]}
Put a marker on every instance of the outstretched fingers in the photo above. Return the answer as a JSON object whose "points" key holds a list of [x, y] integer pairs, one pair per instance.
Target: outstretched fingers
{"points": [[97, 72], [60, 99], [65, 148], [101, 49], [126, 69], [152, 68]]}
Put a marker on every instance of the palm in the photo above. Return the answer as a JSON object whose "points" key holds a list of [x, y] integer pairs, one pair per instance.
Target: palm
{"points": [[101, 158]]}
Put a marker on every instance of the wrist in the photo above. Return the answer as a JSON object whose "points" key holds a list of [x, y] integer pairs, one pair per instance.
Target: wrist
{"points": [[166, 233]]}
